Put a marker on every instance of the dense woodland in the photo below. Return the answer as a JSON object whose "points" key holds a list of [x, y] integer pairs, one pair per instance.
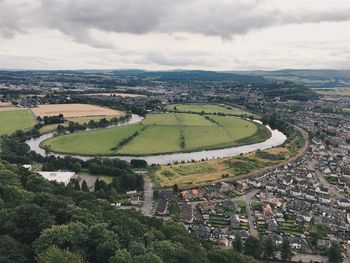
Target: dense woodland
{"points": [[44, 221]]}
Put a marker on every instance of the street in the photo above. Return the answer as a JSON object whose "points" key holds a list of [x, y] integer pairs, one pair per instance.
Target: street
{"points": [[148, 195]]}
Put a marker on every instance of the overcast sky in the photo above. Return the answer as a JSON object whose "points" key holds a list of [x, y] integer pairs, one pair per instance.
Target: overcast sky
{"points": [[174, 34]]}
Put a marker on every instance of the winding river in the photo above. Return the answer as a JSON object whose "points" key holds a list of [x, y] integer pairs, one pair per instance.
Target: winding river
{"points": [[277, 138]]}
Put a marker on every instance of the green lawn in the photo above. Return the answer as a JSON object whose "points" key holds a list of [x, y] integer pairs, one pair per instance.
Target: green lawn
{"points": [[206, 108], [154, 139], [162, 133], [13, 120], [91, 142]]}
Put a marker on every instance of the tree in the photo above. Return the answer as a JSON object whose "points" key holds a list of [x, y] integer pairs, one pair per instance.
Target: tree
{"points": [[286, 253], [56, 255], [252, 247], [334, 253], [9, 178], [156, 194], [11, 250], [269, 247], [84, 186], [27, 221], [175, 188], [77, 185], [136, 163], [228, 256], [167, 250], [76, 167], [37, 183], [72, 236], [97, 185], [121, 256], [137, 248], [238, 244], [148, 258]]}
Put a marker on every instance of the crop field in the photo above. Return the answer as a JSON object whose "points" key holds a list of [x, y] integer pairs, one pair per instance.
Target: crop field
{"points": [[13, 119], [162, 133], [74, 110], [6, 106], [206, 108]]}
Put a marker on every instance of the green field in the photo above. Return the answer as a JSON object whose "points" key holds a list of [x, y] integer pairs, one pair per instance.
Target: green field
{"points": [[162, 133], [345, 92], [13, 120], [206, 108]]}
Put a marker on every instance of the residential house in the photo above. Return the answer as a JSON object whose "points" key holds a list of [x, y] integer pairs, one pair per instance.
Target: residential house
{"points": [[186, 213], [162, 207]]}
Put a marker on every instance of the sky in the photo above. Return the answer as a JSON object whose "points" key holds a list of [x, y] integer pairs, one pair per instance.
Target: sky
{"points": [[175, 34]]}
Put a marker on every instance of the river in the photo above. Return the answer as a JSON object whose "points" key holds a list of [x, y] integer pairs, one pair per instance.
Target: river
{"points": [[277, 138]]}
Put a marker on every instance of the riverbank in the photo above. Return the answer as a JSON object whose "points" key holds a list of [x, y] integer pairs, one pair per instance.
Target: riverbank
{"points": [[189, 175], [277, 138]]}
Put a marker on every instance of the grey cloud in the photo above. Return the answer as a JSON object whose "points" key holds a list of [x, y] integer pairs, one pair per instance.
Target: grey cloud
{"points": [[207, 17], [16, 16]]}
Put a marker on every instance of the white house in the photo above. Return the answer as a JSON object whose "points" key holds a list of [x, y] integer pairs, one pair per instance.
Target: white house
{"points": [[60, 177], [295, 243], [343, 202], [27, 166]]}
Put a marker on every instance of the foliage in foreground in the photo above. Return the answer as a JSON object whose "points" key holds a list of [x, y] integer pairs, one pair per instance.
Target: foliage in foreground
{"points": [[47, 222]]}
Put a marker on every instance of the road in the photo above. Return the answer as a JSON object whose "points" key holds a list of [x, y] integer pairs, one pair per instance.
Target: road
{"points": [[247, 199], [332, 190], [148, 196], [32, 114]]}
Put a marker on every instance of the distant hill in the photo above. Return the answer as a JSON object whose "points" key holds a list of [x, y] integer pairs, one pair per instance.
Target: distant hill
{"points": [[192, 75], [322, 78]]}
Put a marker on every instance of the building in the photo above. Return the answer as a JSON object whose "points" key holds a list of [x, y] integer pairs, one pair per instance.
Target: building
{"points": [[27, 166], [162, 206], [186, 214], [343, 202], [134, 200], [59, 177]]}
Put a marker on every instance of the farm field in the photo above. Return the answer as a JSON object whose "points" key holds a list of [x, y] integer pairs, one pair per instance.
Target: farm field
{"points": [[74, 110], [206, 108], [162, 133], [6, 106], [14, 119]]}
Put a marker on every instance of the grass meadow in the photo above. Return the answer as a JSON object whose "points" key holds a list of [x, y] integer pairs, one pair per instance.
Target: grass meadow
{"points": [[16, 119], [206, 108], [162, 133]]}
